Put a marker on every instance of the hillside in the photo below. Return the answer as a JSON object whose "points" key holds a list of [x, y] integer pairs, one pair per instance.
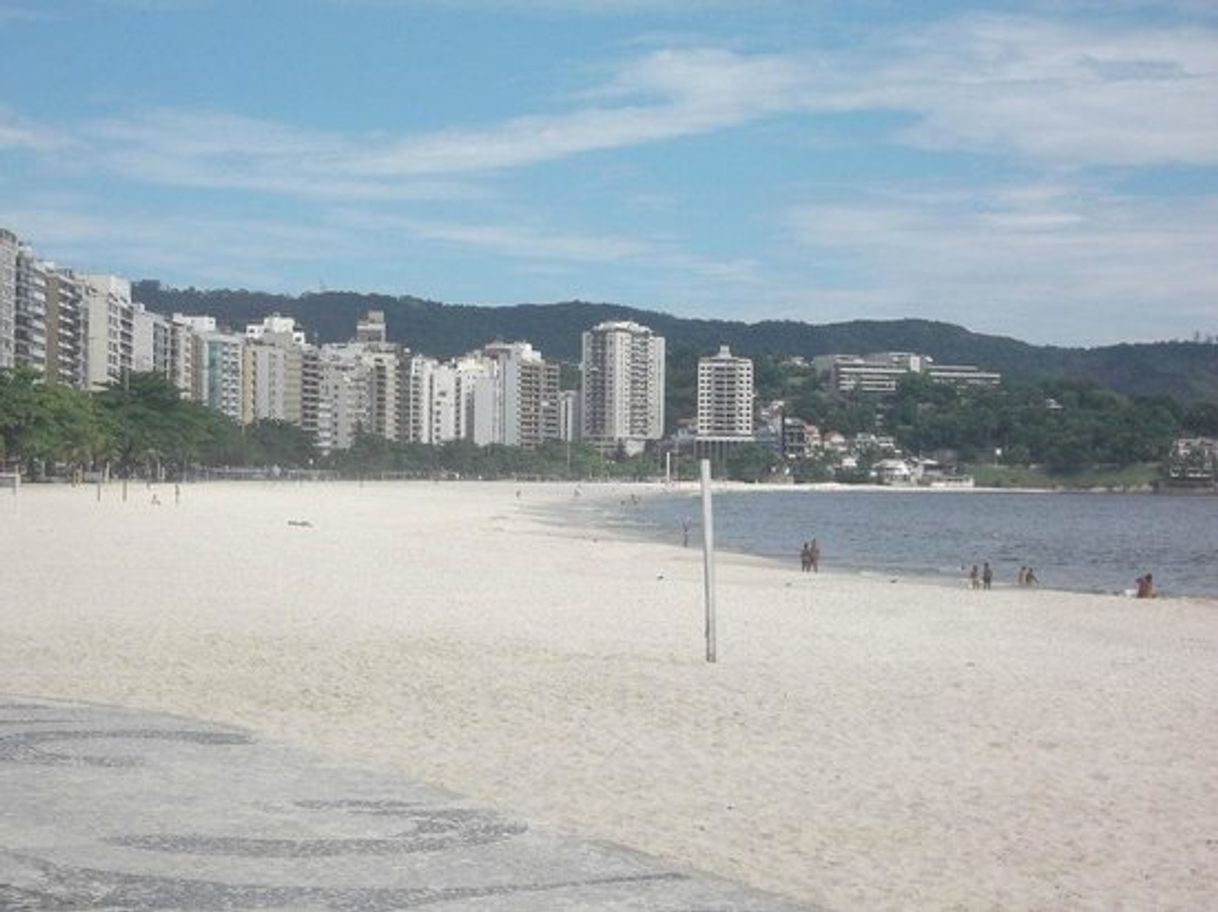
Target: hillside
{"points": [[1185, 370]]}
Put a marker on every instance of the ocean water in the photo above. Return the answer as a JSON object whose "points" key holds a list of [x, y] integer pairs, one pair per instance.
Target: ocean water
{"points": [[1085, 542]]}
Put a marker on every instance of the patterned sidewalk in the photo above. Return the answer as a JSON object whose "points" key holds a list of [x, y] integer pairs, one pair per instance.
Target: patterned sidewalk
{"points": [[106, 809]]}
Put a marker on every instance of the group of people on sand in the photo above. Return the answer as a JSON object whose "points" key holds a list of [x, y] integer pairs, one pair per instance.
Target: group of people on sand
{"points": [[809, 557], [1145, 586], [1027, 577], [981, 579]]}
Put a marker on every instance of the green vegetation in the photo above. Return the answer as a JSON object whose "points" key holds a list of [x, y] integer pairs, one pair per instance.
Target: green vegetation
{"points": [[143, 427], [1187, 371], [1064, 426], [1132, 477], [1050, 434]]}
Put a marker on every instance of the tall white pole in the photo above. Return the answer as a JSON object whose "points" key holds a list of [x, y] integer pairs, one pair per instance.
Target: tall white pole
{"points": [[667, 468], [708, 558]]}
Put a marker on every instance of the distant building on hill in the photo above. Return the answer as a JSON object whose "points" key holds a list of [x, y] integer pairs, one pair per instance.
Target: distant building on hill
{"points": [[371, 329], [882, 371]]}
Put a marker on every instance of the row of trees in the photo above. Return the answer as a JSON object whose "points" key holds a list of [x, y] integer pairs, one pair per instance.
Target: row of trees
{"points": [[143, 426], [140, 425]]}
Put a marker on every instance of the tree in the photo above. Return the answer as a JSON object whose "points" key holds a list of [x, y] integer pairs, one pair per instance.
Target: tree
{"points": [[23, 413], [279, 443]]}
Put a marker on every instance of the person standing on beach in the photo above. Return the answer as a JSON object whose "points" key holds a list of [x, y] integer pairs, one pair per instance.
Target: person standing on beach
{"points": [[987, 576], [805, 557], [685, 533], [974, 581], [1146, 586], [1029, 577], [814, 555]]}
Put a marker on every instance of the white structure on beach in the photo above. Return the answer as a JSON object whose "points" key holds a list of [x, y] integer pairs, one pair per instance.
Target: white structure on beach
{"points": [[623, 386]]}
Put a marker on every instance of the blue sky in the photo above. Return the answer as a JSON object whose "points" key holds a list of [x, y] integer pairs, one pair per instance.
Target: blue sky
{"points": [[1042, 170]]}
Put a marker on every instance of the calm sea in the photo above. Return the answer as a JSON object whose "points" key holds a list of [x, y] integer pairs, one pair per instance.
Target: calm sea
{"points": [[1088, 542]]}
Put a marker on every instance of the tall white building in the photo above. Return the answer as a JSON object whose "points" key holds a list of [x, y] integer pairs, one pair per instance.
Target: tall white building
{"points": [[185, 353], [623, 386], [221, 368], [30, 324], [725, 396], [415, 400], [110, 331], [342, 397], [383, 365], [8, 298], [151, 344], [272, 380], [517, 399]]}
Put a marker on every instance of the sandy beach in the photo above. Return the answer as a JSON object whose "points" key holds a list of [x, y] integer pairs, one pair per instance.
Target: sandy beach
{"points": [[860, 744]]}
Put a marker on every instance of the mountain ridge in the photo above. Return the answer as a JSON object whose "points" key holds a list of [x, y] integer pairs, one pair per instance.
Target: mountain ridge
{"points": [[1187, 371]]}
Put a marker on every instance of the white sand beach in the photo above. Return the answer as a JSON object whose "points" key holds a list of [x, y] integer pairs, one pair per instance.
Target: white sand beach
{"points": [[860, 744]]}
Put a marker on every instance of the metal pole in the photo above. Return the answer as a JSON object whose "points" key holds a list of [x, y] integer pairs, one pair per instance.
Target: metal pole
{"points": [[708, 559], [668, 468]]}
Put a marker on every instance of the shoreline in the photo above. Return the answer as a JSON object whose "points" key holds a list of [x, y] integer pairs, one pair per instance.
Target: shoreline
{"points": [[639, 531]]}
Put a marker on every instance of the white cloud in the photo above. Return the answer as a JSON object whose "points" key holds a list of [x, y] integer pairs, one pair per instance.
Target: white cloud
{"points": [[1061, 94], [1043, 261], [1072, 94], [19, 132]]}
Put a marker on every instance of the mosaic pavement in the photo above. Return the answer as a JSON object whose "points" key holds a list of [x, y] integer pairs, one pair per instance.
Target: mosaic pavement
{"points": [[108, 809]]}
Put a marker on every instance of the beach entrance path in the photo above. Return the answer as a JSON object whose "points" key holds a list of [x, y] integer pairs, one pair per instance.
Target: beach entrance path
{"points": [[106, 808]]}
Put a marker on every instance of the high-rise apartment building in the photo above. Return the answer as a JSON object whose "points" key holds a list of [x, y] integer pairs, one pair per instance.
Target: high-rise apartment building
{"points": [[151, 342], [110, 330], [272, 380], [185, 353], [517, 400], [8, 298], [415, 400], [221, 368], [623, 386], [725, 396], [342, 397], [30, 317], [383, 365], [65, 323]]}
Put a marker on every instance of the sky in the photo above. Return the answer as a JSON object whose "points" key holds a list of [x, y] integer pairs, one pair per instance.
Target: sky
{"points": [[1042, 170]]}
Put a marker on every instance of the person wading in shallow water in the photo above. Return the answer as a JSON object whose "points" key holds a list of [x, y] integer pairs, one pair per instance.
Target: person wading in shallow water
{"points": [[814, 555], [987, 576], [1146, 586]]}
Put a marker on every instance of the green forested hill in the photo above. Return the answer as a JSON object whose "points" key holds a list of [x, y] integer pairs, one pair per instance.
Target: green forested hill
{"points": [[1185, 370]]}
